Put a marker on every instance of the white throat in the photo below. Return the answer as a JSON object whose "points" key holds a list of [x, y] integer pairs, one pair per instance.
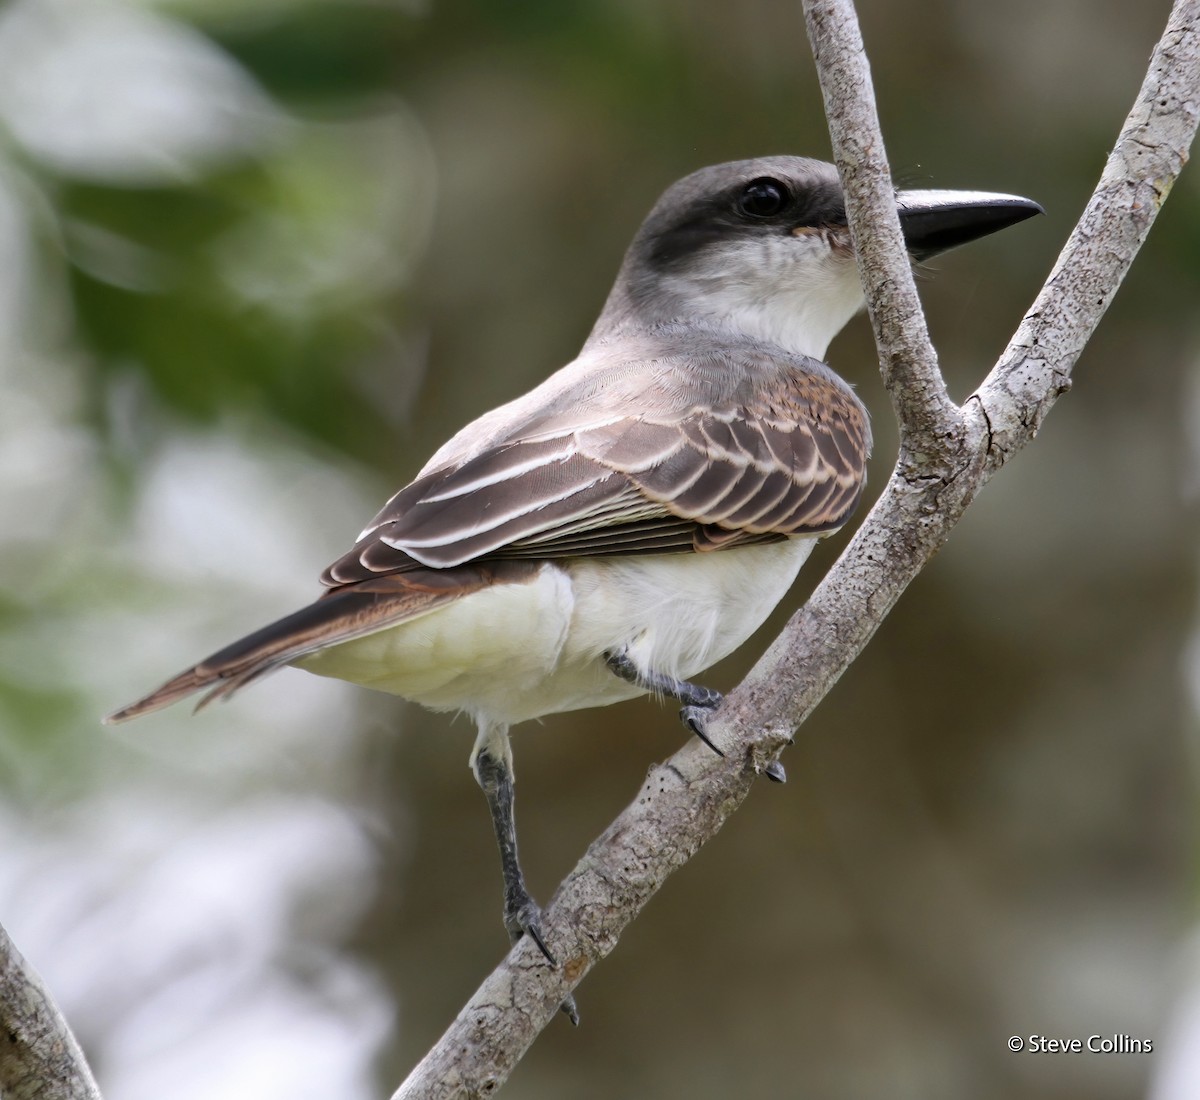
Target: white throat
{"points": [[797, 294]]}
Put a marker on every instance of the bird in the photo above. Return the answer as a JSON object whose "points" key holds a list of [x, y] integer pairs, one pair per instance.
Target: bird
{"points": [[637, 515]]}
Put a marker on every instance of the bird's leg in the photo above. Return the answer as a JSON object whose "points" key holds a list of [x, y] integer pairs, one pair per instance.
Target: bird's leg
{"points": [[698, 701], [492, 764]]}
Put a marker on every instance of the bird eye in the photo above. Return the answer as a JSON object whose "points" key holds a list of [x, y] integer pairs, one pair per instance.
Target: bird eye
{"points": [[763, 198]]}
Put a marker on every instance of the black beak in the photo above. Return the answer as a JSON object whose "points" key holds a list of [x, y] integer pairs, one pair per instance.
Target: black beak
{"points": [[936, 221]]}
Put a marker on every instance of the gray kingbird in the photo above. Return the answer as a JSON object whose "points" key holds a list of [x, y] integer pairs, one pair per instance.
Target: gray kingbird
{"points": [[636, 516]]}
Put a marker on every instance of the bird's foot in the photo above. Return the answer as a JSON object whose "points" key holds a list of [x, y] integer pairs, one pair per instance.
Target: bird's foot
{"points": [[621, 665], [697, 695]]}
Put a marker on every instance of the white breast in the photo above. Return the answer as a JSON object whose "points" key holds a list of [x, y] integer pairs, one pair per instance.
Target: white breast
{"points": [[679, 614]]}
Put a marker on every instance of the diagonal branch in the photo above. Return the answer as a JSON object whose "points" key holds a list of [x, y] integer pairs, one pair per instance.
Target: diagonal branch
{"points": [[686, 800], [1144, 164]]}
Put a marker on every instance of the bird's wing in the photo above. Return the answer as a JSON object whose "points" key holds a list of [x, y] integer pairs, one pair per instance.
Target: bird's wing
{"points": [[787, 462]]}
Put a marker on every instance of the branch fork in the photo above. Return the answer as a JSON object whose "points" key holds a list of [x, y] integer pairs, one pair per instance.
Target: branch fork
{"points": [[947, 453]]}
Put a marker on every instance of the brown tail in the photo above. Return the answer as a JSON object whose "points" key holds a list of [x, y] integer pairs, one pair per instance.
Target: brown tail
{"points": [[341, 614]]}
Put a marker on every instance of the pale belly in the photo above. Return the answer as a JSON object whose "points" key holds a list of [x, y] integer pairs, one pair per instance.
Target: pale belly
{"points": [[520, 651]]}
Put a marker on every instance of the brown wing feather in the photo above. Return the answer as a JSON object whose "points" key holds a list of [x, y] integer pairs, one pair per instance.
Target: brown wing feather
{"points": [[790, 461]]}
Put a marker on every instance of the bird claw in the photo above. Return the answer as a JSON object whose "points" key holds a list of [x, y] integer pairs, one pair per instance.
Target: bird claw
{"points": [[695, 717], [523, 917]]}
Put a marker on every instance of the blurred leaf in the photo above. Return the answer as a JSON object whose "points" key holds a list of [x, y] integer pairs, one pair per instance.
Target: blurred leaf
{"points": [[106, 91]]}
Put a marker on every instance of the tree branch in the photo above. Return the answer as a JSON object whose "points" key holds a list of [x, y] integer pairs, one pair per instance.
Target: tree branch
{"points": [[39, 1057], [946, 455], [1150, 153], [907, 359]]}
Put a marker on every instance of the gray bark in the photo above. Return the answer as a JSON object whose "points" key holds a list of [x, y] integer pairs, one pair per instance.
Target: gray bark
{"points": [[39, 1057]]}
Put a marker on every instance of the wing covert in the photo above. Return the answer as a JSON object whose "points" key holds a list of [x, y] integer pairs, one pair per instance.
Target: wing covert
{"points": [[792, 462]]}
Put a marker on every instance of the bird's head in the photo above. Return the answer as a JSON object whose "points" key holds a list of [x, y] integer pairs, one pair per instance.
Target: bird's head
{"points": [[761, 248]]}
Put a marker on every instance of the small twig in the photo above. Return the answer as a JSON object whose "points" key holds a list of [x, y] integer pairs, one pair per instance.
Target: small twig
{"points": [[39, 1057]]}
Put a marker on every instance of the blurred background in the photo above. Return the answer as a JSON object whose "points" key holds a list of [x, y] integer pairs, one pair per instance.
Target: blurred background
{"points": [[258, 258]]}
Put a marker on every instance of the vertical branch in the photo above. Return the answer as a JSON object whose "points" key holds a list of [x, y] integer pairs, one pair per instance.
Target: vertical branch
{"points": [[906, 355]]}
